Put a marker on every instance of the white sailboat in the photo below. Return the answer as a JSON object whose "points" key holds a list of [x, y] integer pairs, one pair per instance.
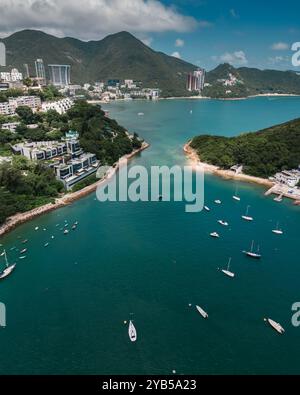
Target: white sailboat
{"points": [[215, 234], [275, 325], [202, 312], [132, 332], [277, 231], [246, 217], [9, 268], [251, 254], [236, 196], [206, 208], [227, 272], [223, 223]]}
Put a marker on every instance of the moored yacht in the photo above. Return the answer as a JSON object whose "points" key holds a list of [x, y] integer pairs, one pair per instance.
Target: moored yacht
{"points": [[223, 223], [202, 312], [9, 268], [275, 325], [132, 332], [246, 217], [227, 272], [251, 254]]}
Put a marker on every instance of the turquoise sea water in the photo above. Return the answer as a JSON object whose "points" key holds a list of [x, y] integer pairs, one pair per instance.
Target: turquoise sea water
{"points": [[66, 304]]}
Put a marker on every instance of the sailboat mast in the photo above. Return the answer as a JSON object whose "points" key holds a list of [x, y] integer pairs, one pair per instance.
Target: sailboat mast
{"points": [[229, 264], [6, 261]]}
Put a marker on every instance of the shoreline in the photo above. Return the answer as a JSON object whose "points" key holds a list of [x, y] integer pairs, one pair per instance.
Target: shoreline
{"points": [[226, 174], [20, 218], [271, 95]]}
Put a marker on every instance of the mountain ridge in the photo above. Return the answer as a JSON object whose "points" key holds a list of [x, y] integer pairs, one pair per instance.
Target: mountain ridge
{"points": [[123, 56]]}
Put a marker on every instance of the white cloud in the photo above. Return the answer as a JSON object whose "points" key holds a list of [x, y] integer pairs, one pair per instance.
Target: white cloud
{"points": [[176, 54], [205, 24], [92, 19], [179, 42], [147, 41], [280, 46], [237, 58], [234, 14], [279, 60]]}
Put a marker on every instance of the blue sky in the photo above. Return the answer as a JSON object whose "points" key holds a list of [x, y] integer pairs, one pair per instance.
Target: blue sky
{"points": [[246, 33], [253, 33]]}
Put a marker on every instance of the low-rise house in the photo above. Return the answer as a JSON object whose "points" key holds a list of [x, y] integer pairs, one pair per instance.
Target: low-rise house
{"points": [[76, 169], [288, 177], [11, 126], [61, 106]]}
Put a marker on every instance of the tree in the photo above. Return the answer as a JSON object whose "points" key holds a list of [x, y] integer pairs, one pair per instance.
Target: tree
{"points": [[25, 113], [27, 82]]}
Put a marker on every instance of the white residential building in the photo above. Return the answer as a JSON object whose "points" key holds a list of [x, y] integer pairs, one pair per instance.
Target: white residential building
{"points": [[13, 76], [11, 126], [288, 177], [34, 102], [6, 108], [61, 106]]}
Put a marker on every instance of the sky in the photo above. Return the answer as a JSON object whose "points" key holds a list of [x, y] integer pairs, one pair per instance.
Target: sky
{"points": [[256, 33]]}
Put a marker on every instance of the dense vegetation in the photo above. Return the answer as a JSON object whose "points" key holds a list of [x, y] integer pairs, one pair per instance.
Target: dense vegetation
{"points": [[261, 153], [120, 56], [252, 82], [24, 184]]}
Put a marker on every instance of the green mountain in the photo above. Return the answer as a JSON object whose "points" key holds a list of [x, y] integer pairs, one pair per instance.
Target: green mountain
{"points": [[118, 56], [250, 81], [262, 153]]}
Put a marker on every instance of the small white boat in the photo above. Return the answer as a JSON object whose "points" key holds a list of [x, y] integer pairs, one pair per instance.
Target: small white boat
{"points": [[206, 208], [23, 251], [277, 231], [236, 198], [46, 244], [36, 228], [218, 201], [132, 332], [227, 272], [202, 312], [140, 114], [251, 254], [22, 257], [24, 241], [275, 325], [66, 231], [3, 253], [9, 268], [215, 234], [246, 217], [223, 223], [278, 199], [52, 237]]}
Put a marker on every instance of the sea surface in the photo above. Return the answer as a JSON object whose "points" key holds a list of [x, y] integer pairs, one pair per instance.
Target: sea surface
{"points": [[66, 303]]}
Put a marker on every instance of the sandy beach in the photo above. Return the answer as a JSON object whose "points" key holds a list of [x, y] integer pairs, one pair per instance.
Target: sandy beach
{"points": [[196, 163], [68, 198]]}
